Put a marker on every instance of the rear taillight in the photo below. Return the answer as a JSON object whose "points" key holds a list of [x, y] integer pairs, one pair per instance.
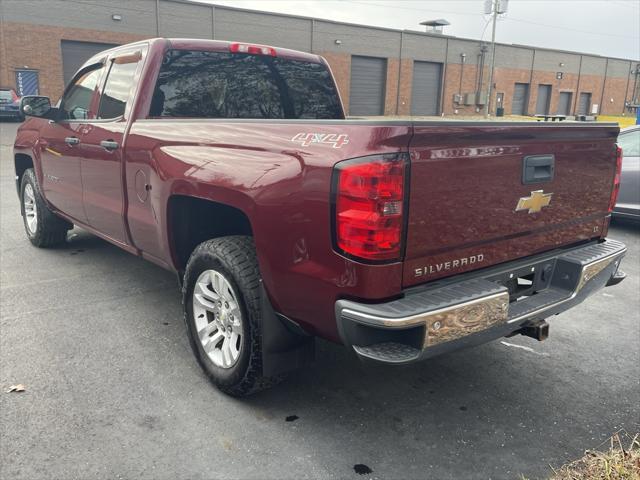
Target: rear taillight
{"points": [[14, 96], [369, 203], [616, 179], [252, 49]]}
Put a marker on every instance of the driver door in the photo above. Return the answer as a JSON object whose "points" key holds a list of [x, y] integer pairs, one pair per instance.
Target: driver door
{"points": [[60, 143]]}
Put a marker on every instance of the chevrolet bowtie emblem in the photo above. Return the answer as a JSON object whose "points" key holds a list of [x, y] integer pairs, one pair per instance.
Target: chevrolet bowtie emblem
{"points": [[534, 203]]}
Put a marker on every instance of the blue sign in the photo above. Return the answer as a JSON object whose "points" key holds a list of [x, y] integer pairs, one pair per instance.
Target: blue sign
{"points": [[27, 82]]}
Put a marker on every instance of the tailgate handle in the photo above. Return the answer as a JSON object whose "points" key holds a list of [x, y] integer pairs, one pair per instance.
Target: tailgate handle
{"points": [[538, 169]]}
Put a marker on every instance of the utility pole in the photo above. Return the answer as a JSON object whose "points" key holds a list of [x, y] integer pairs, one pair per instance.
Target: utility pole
{"points": [[487, 105]]}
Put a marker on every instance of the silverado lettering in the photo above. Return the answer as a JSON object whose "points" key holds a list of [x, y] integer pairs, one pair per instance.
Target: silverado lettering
{"points": [[449, 265], [160, 148]]}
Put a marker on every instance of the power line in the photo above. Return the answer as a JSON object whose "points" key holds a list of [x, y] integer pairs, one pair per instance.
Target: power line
{"points": [[408, 8], [568, 28]]}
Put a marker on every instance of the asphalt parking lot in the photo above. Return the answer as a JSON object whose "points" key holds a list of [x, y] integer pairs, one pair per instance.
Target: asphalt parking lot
{"points": [[113, 391]]}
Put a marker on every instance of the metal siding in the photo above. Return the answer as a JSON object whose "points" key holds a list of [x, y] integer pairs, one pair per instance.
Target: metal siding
{"points": [[138, 16], [618, 68], [426, 88], [550, 61], [458, 47], [584, 103], [185, 21], [368, 79], [355, 40], [544, 99], [593, 65], [424, 47], [513, 57], [279, 31], [564, 103], [520, 97], [74, 54]]}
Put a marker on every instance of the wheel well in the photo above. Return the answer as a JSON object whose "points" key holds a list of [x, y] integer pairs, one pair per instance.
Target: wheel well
{"points": [[194, 220], [22, 163]]}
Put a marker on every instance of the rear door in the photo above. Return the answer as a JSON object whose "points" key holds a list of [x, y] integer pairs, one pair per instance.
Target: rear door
{"points": [[60, 143], [102, 147], [468, 181]]}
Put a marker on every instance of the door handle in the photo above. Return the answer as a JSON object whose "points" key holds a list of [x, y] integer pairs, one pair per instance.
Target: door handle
{"points": [[538, 169], [72, 140], [109, 145]]}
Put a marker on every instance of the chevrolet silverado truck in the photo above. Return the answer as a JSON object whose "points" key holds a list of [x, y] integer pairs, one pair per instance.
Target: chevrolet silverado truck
{"points": [[234, 166]]}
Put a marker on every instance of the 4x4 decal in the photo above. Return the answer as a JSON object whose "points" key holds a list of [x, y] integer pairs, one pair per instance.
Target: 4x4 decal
{"points": [[333, 139]]}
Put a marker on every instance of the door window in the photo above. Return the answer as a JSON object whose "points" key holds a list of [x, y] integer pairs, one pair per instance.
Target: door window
{"points": [[118, 87], [77, 102]]}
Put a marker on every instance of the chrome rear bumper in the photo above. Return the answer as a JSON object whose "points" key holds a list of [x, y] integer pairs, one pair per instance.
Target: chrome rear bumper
{"points": [[477, 307]]}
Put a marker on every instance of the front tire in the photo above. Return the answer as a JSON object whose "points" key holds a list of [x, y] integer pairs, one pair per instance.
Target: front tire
{"points": [[221, 300], [43, 227]]}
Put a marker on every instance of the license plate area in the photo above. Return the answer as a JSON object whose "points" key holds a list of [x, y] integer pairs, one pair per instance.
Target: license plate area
{"points": [[526, 281]]}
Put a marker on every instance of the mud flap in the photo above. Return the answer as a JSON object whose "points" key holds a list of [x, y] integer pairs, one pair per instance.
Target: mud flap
{"points": [[283, 350]]}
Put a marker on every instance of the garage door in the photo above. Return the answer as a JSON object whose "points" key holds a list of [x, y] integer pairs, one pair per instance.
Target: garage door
{"points": [[368, 79], [74, 54], [584, 103], [544, 99], [425, 90], [564, 103], [520, 97]]}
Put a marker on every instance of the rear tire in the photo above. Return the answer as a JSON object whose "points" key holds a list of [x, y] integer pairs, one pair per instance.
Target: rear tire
{"points": [[221, 300], [43, 227]]}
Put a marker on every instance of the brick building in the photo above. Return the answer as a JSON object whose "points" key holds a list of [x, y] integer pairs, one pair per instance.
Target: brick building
{"points": [[379, 71]]}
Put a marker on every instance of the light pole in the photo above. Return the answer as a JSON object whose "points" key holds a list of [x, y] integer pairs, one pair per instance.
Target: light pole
{"points": [[494, 12]]}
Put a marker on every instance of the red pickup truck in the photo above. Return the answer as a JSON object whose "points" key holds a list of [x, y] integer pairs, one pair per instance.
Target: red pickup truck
{"points": [[233, 165]]}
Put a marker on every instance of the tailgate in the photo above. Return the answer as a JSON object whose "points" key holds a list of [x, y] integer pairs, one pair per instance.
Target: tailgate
{"points": [[467, 181]]}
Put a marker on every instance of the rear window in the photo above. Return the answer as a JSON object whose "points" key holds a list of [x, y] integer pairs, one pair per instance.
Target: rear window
{"points": [[199, 84], [6, 95]]}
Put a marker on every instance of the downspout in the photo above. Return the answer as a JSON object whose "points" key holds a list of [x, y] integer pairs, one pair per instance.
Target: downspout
{"points": [[444, 76], [604, 84], [626, 89], [313, 29], [533, 64], [463, 58], [213, 22], [157, 18], [575, 98], [399, 75]]}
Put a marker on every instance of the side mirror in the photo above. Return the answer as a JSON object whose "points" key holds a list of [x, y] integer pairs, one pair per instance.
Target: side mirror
{"points": [[36, 106]]}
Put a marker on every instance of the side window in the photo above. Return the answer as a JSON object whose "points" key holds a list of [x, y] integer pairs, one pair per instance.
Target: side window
{"points": [[630, 143], [76, 104], [118, 87]]}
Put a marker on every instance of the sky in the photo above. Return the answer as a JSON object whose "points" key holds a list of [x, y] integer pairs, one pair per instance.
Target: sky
{"points": [[604, 27]]}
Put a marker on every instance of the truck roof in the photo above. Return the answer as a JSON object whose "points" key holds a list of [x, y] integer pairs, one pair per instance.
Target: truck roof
{"points": [[209, 45]]}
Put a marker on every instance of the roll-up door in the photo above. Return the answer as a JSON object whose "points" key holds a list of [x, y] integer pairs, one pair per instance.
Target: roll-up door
{"points": [[520, 96], [564, 104], [426, 88], [584, 103], [368, 80], [74, 54], [544, 99]]}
